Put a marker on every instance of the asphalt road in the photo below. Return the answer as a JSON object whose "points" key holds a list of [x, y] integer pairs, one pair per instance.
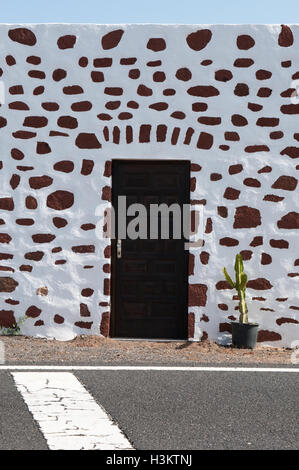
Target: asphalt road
{"points": [[177, 410]]}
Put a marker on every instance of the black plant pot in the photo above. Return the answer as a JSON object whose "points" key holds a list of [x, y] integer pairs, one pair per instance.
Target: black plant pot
{"points": [[244, 335]]}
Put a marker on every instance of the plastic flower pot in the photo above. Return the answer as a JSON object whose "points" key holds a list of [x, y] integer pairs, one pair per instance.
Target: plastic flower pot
{"points": [[244, 335]]}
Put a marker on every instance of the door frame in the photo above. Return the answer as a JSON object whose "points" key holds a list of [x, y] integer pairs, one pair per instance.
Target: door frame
{"points": [[113, 303]]}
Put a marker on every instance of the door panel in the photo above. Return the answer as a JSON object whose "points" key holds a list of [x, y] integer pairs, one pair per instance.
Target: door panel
{"points": [[150, 280]]}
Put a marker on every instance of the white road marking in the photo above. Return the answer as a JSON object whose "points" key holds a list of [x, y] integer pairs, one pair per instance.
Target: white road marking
{"points": [[152, 368], [67, 414]]}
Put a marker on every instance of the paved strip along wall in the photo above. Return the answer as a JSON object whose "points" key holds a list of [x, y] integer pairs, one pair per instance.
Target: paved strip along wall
{"points": [[76, 96]]}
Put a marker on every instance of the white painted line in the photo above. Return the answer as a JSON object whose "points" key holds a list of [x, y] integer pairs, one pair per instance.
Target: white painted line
{"points": [[153, 368], [67, 414]]}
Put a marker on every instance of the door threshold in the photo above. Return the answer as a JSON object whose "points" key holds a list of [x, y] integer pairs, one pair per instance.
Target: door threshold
{"points": [[153, 340]]}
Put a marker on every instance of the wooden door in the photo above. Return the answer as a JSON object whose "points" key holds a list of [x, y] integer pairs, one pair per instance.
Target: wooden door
{"points": [[150, 276]]}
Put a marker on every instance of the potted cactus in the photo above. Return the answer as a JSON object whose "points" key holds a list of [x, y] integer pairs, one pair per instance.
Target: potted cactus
{"points": [[244, 333]]}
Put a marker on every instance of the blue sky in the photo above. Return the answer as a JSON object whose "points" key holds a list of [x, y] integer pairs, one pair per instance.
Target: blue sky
{"points": [[149, 11]]}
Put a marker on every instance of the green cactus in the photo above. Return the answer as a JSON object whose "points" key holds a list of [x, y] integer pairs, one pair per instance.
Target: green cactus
{"points": [[240, 286]]}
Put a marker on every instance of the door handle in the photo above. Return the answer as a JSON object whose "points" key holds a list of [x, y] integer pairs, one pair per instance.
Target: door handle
{"points": [[118, 248]]}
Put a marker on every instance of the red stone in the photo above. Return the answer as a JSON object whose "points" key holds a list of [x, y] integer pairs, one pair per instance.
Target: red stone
{"points": [[112, 39], [191, 324], [23, 36], [199, 39], [66, 42], [197, 295], [7, 319], [105, 324], [60, 200], [285, 38], [33, 311]]}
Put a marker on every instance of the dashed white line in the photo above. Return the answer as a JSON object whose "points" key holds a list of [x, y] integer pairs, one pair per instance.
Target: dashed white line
{"points": [[67, 414]]}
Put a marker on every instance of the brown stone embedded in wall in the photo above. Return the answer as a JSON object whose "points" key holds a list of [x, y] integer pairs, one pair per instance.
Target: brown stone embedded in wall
{"points": [[289, 221], [223, 285], [266, 259], [292, 152], [7, 204], [241, 89], [205, 141], [285, 38], [66, 42], [43, 148], [259, 284], [239, 120], [66, 166], [107, 251], [191, 264], [86, 140], [8, 284], [265, 335], [183, 74], [252, 182], [38, 182], [43, 238], [97, 77], [59, 222], [106, 286], [59, 74], [67, 122], [16, 90], [197, 295], [223, 75], [18, 105], [203, 91], [245, 42], [156, 44], [58, 319], [87, 167], [204, 257], [33, 311], [199, 39], [50, 106], [87, 292], [23, 36], [105, 324], [246, 255], [255, 107], [282, 320], [108, 169], [287, 183], [243, 63], [257, 241], [225, 327], [267, 122], [60, 200], [231, 193], [112, 39], [222, 211], [263, 74], [191, 324], [7, 319], [5, 238], [84, 311], [30, 202], [83, 249], [228, 241], [282, 244], [25, 222], [17, 154], [235, 169]]}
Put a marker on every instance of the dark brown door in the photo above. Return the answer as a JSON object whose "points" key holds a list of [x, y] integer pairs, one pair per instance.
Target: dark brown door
{"points": [[150, 277]]}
